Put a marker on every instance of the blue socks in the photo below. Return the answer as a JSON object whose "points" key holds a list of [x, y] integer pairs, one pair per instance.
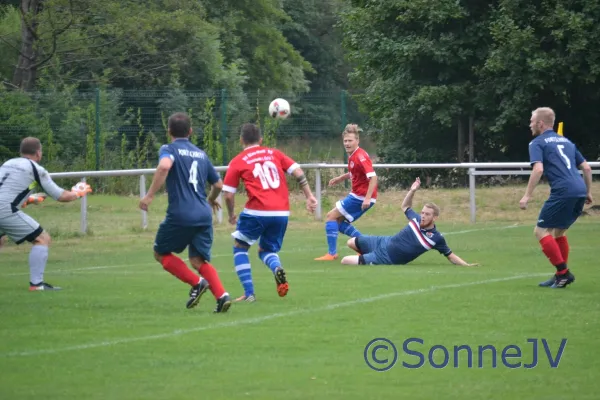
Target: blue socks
{"points": [[271, 260], [350, 230], [331, 230], [242, 268]]}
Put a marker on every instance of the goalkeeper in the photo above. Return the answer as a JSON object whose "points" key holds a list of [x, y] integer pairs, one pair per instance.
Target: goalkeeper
{"points": [[18, 177]]}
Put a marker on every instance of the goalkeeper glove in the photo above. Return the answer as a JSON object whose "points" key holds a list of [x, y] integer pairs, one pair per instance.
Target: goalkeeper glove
{"points": [[81, 189]]}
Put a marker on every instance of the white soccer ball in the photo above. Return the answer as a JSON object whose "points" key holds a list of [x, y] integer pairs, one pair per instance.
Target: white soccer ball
{"points": [[279, 108]]}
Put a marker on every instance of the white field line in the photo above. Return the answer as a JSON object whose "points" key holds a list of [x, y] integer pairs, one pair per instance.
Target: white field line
{"points": [[293, 250], [256, 320]]}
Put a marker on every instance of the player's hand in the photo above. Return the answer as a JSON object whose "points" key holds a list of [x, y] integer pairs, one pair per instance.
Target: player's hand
{"points": [[216, 206], [523, 202], [416, 184], [589, 199], [35, 199], [472, 265], [81, 189], [365, 204], [145, 202], [334, 181], [233, 219], [311, 204]]}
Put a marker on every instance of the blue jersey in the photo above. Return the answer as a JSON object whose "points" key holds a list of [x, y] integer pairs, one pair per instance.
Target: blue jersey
{"points": [[186, 183], [561, 160], [412, 241]]}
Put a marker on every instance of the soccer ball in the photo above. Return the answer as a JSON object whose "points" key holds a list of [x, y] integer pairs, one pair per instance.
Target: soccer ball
{"points": [[279, 108]]}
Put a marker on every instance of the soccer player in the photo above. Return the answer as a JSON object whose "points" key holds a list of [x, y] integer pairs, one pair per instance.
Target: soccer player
{"points": [[265, 216], [188, 223], [362, 197], [18, 177], [419, 236], [556, 157]]}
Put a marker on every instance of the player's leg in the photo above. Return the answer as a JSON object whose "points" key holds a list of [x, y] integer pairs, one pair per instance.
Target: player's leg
{"points": [[174, 239], [20, 227], [332, 224], [561, 234], [249, 229], [352, 208], [270, 244], [199, 253], [556, 216], [373, 251]]}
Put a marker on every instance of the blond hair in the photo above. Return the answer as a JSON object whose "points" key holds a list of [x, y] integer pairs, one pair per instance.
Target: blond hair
{"points": [[434, 207], [546, 115], [351, 128]]}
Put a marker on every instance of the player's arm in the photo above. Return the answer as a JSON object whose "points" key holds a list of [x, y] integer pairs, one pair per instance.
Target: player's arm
{"points": [[408, 199], [456, 260], [160, 176], [338, 179], [587, 175], [53, 190], [311, 201], [230, 184], [536, 159]]}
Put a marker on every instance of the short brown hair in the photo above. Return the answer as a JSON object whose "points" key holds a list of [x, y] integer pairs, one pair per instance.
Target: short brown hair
{"points": [[351, 128], [30, 146], [180, 125], [434, 207], [250, 134]]}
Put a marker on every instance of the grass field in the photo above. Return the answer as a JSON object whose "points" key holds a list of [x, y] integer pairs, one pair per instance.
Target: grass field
{"points": [[120, 330]]}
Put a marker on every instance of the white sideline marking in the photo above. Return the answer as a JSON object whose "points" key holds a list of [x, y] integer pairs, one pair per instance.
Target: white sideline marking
{"points": [[256, 320], [296, 250]]}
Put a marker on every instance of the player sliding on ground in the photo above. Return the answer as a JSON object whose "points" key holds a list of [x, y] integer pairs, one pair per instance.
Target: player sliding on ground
{"points": [[18, 176], [556, 157], [419, 236], [265, 216]]}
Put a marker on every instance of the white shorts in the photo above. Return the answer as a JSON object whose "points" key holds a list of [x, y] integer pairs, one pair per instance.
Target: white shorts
{"points": [[20, 227]]}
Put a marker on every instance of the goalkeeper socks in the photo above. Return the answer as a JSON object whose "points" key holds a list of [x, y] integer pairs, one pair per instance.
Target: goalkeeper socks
{"points": [[331, 230], [349, 229], [176, 267], [37, 263], [209, 273], [552, 251], [271, 260], [563, 245], [242, 268]]}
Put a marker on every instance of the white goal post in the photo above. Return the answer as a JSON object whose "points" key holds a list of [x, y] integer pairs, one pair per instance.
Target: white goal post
{"points": [[472, 169]]}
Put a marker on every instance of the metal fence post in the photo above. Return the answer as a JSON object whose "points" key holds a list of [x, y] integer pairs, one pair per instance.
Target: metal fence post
{"points": [[472, 193], [97, 129], [142, 194], [83, 222], [318, 193]]}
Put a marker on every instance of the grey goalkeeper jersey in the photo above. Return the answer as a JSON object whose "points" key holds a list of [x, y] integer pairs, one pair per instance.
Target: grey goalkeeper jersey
{"points": [[18, 178]]}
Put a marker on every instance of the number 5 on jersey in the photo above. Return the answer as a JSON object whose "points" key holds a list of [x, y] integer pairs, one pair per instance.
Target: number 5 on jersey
{"points": [[268, 175], [560, 150]]}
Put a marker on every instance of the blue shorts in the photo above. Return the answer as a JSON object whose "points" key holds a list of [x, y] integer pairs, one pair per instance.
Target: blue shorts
{"points": [[351, 208], [560, 213], [374, 249], [270, 230], [172, 238]]}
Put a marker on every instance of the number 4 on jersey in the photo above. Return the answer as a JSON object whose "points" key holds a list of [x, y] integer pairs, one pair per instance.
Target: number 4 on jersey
{"points": [[194, 175], [268, 175]]}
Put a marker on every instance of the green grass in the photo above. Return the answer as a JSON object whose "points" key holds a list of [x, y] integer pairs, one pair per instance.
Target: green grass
{"points": [[120, 330]]}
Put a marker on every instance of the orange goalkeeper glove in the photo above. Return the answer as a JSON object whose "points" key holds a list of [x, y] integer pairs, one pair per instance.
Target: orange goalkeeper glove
{"points": [[35, 198], [81, 189]]}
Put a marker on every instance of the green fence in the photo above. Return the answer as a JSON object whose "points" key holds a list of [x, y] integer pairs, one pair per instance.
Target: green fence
{"points": [[101, 129]]}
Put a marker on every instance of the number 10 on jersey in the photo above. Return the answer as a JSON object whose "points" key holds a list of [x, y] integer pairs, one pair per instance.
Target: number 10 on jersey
{"points": [[268, 174]]}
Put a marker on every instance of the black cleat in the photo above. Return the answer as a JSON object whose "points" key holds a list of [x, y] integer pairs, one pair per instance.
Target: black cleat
{"points": [[196, 292], [549, 282], [563, 280], [281, 281], [42, 286], [223, 303]]}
